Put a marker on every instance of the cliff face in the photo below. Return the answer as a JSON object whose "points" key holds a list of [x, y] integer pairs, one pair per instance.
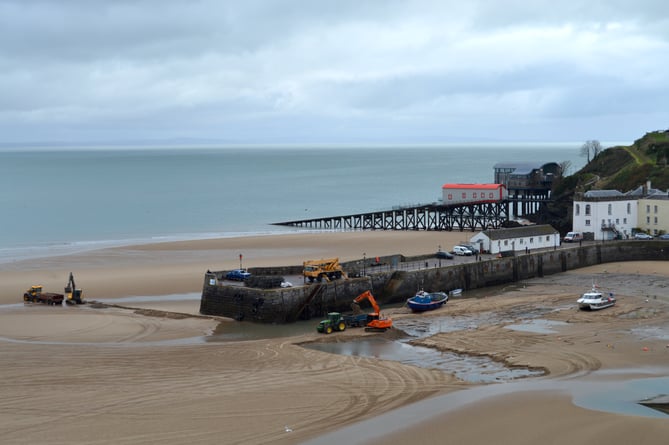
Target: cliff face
{"points": [[620, 168], [627, 167]]}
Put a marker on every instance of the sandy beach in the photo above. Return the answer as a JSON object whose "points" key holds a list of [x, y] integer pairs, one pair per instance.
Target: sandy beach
{"points": [[116, 375]]}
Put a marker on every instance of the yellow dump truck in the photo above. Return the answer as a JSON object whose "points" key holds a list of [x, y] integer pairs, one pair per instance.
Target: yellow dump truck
{"points": [[324, 269], [36, 295]]}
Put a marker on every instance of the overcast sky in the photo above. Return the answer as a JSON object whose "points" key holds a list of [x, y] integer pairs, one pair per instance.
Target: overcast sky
{"points": [[301, 71]]}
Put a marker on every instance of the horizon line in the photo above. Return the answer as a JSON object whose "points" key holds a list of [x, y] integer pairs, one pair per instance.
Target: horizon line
{"points": [[167, 144]]}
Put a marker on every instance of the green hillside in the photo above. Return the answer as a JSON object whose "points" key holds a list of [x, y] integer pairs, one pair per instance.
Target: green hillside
{"points": [[622, 168], [625, 168]]}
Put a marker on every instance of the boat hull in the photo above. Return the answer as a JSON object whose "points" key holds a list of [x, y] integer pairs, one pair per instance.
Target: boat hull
{"points": [[594, 301], [595, 306], [427, 302]]}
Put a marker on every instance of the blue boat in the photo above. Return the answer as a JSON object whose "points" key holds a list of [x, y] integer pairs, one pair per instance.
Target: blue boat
{"points": [[427, 301]]}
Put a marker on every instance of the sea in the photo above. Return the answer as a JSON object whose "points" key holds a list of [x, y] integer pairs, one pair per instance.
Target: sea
{"points": [[59, 201]]}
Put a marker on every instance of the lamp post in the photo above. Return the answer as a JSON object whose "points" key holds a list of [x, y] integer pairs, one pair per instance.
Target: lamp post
{"points": [[240, 261], [439, 255], [364, 264]]}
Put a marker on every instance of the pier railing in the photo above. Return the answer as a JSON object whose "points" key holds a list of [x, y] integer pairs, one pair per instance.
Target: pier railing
{"points": [[470, 216]]}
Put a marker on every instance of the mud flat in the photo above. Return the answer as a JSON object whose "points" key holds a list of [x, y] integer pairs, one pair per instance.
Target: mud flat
{"points": [[86, 374]]}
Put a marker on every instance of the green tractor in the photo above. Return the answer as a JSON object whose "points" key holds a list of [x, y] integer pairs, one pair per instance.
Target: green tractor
{"points": [[335, 322]]}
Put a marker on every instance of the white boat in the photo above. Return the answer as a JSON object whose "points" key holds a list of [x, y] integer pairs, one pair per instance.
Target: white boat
{"points": [[595, 300]]}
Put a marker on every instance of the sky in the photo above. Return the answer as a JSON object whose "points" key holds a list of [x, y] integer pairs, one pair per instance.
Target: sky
{"points": [[311, 71]]}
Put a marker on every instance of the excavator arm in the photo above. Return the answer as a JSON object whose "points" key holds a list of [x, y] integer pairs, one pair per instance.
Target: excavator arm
{"points": [[377, 323], [72, 294], [367, 295]]}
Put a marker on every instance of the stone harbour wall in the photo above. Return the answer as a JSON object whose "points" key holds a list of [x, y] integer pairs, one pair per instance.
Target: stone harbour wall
{"points": [[289, 304]]}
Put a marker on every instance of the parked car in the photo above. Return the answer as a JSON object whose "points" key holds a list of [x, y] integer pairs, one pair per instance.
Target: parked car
{"points": [[471, 247], [641, 235], [237, 275], [462, 250], [444, 255], [664, 236]]}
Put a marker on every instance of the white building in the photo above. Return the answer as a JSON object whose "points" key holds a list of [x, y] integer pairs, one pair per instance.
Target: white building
{"points": [[607, 214], [516, 239]]}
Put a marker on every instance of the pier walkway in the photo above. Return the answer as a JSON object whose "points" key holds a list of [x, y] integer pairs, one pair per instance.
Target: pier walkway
{"points": [[470, 216]]}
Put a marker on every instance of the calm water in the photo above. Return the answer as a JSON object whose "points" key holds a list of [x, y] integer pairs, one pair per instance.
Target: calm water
{"points": [[55, 202]]}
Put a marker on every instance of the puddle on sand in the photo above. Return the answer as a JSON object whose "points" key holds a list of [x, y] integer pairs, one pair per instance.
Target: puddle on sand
{"points": [[244, 330], [152, 298], [537, 326], [526, 319], [468, 368], [474, 369], [428, 326], [652, 332], [589, 395], [623, 397]]}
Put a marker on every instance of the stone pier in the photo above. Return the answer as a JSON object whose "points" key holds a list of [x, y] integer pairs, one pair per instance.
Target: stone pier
{"points": [[285, 305]]}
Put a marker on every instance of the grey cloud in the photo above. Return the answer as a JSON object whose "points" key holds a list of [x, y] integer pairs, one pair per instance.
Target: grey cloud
{"points": [[348, 69]]}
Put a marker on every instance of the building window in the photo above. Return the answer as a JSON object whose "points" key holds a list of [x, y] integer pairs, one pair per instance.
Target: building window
{"points": [[624, 220], [506, 242], [629, 208], [655, 209], [587, 222], [610, 209], [491, 195], [587, 209], [578, 209], [450, 196], [464, 195], [647, 219], [647, 209], [474, 195], [656, 220], [617, 220]]}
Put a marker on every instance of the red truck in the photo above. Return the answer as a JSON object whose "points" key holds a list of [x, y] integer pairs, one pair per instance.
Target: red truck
{"points": [[35, 295]]}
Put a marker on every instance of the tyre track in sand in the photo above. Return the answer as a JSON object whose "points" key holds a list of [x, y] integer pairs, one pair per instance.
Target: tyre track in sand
{"points": [[138, 393], [127, 392]]}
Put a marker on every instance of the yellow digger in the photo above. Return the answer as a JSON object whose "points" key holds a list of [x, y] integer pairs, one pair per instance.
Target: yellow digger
{"points": [[72, 294]]}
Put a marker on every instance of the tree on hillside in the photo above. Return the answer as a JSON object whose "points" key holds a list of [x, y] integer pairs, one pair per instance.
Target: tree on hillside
{"points": [[565, 167], [592, 147]]}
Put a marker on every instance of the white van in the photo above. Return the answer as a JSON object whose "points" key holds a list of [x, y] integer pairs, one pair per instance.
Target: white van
{"points": [[573, 237], [462, 250]]}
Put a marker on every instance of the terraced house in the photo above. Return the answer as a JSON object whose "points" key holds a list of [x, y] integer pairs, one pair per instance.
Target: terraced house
{"points": [[610, 214]]}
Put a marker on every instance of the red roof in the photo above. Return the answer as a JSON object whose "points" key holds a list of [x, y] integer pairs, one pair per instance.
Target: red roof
{"points": [[473, 186]]}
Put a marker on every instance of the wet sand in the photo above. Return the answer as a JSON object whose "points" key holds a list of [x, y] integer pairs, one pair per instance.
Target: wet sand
{"points": [[88, 374]]}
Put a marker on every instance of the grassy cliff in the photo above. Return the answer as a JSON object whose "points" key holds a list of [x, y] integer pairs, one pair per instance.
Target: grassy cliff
{"points": [[622, 168]]}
